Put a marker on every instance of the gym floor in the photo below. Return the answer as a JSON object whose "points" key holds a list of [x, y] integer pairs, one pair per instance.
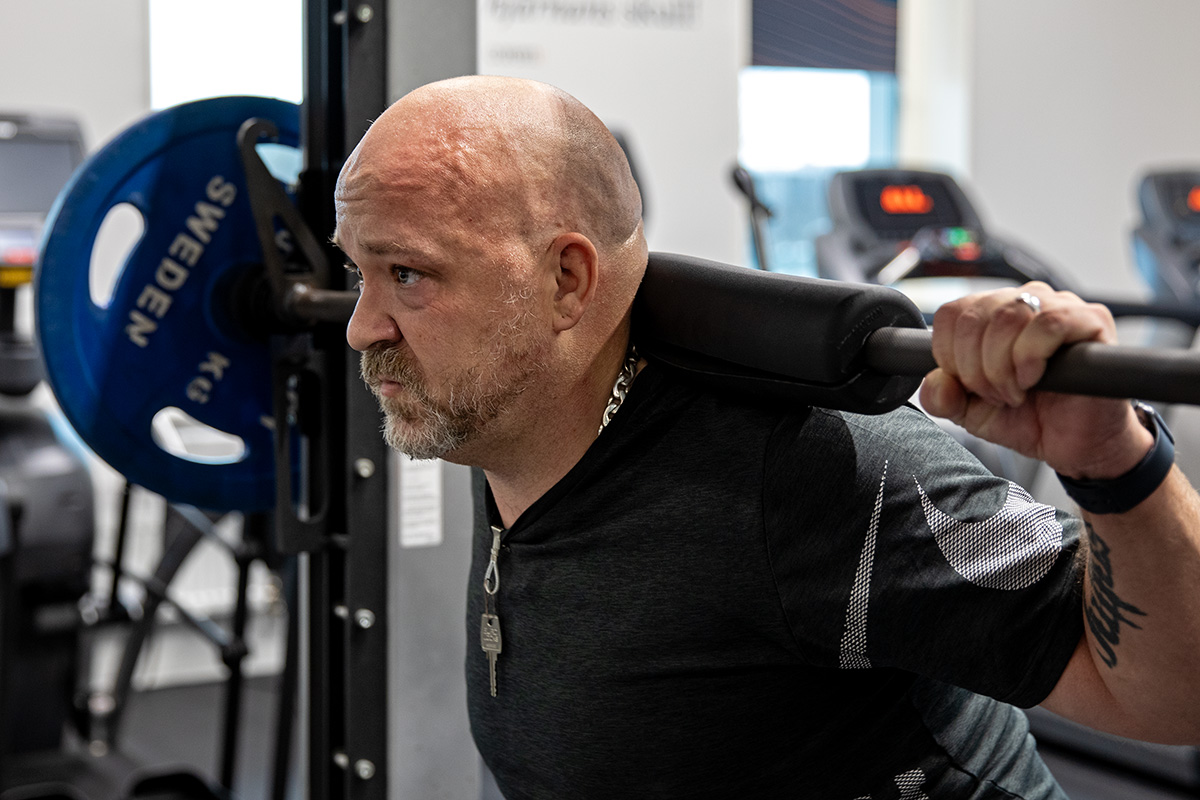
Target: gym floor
{"points": [[191, 739], [188, 741]]}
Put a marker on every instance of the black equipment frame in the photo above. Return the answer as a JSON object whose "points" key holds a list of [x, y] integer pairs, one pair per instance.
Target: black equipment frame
{"points": [[346, 594]]}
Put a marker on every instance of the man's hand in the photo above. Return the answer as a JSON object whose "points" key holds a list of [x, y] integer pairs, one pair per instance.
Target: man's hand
{"points": [[992, 348], [1132, 676]]}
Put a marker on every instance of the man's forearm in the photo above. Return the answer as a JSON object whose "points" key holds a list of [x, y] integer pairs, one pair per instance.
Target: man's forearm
{"points": [[1142, 609]]}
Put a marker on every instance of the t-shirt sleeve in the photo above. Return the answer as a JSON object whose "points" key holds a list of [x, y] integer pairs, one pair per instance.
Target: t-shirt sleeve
{"points": [[893, 547]]}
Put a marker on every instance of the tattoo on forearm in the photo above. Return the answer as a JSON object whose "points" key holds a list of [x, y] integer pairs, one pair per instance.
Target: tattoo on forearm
{"points": [[1105, 611]]}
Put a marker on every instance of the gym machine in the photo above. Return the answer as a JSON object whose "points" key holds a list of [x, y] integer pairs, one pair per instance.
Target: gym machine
{"points": [[46, 502], [272, 374], [890, 225], [1166, 245], [907, 227], [49, 611]]}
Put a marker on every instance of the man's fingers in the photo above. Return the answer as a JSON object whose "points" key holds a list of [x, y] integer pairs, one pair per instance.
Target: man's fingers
{"points": [[1010, 318], [1062, 321], [973, 340], [996, 344], [943, 396]]}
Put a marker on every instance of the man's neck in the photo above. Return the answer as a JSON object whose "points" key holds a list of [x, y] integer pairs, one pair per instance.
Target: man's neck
{"points": [[556, 435]]}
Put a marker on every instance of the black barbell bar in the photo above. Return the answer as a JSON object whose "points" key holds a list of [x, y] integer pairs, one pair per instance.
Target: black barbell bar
{"points": [[1087, 368]]}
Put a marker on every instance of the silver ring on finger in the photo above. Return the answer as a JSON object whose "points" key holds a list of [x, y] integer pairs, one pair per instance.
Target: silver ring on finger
{"points": [[1030, 300]]}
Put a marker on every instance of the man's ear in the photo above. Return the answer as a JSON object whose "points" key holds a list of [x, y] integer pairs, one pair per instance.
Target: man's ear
{"points": [[575, 265]]}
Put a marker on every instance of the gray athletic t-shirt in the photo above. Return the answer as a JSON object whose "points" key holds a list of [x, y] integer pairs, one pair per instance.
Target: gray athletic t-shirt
{"points": [[728, 599]]}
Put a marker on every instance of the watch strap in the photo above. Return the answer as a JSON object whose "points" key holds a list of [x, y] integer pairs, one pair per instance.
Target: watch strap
{"points": [[1118, 495]]}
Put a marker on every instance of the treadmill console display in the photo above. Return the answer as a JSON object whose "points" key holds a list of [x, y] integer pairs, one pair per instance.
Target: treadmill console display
{"points": [[908, 199], [901, 209], [1179, 196], [33, 170], [37, 158]]}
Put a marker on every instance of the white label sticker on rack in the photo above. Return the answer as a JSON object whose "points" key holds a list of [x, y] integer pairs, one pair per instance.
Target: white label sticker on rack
{"points": [[420, 502]]}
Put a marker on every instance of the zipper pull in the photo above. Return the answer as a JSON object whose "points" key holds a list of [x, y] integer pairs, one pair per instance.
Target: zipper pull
{"points": [[491, 578]]}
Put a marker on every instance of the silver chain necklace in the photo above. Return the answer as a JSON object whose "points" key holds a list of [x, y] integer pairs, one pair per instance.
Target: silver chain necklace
{"points": [[620, 388]]}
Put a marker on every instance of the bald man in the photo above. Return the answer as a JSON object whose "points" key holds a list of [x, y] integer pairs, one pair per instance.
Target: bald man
{"points": [[679, 593]]}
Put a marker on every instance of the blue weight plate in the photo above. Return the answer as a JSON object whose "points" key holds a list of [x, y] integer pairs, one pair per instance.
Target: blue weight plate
{"points": [[166, 338]]}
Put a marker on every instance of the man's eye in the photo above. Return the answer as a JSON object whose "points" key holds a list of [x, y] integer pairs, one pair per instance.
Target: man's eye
{"points": [[406, 276], [356, 274]]}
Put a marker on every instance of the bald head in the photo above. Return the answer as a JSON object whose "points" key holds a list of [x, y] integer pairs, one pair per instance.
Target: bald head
{"points": [[502, 153], [496, 231]]}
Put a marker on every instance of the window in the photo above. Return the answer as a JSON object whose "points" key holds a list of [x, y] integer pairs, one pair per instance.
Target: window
{"points": [[797, 127]]}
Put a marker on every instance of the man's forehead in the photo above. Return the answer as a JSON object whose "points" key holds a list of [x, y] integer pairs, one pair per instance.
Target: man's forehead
{"points": [[350, 239], [414, 235]]}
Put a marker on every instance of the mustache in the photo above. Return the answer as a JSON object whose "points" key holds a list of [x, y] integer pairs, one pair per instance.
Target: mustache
{"points": [[376, 366]]}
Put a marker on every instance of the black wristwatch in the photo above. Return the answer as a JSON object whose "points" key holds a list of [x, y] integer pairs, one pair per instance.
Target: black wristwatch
{"points": [[1119, 495]]}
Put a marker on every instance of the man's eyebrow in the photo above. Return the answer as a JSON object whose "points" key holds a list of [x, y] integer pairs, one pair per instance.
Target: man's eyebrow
{"points": [[383, 248], [380, 247]]}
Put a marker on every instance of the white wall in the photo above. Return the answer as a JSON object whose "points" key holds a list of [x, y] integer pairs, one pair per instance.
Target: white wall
{"points": [[934, 69], [1068, 102], [77, 57], [662, 71]]}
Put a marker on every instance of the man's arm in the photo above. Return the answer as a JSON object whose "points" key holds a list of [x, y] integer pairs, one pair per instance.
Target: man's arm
{"points": [[1137, 671]]}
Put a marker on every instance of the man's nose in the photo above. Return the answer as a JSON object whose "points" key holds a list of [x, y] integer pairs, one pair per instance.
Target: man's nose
{"points": [[371, 324]]}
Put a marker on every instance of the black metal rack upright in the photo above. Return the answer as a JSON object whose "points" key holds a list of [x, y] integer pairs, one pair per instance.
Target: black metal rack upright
{"points": [[346, 613]]}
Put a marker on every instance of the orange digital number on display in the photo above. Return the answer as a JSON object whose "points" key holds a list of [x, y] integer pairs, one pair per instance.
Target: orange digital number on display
{"points": [[1194, 199], [908, 199]]}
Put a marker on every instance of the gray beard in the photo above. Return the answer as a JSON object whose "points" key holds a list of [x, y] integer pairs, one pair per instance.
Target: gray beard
{"points": [[417, 424], [430, 430], [424, 427]]}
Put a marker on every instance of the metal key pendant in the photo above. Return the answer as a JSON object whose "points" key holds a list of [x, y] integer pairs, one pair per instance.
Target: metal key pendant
{"points": [[489, 639]]}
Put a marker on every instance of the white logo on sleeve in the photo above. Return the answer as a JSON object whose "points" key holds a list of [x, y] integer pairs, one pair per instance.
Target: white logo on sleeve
{"points": [[910, 785], [1012, 549], [854, 634]]}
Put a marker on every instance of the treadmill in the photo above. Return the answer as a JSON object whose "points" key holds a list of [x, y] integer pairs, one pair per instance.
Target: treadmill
{"points": [[1166, 246], [46, 497]]}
